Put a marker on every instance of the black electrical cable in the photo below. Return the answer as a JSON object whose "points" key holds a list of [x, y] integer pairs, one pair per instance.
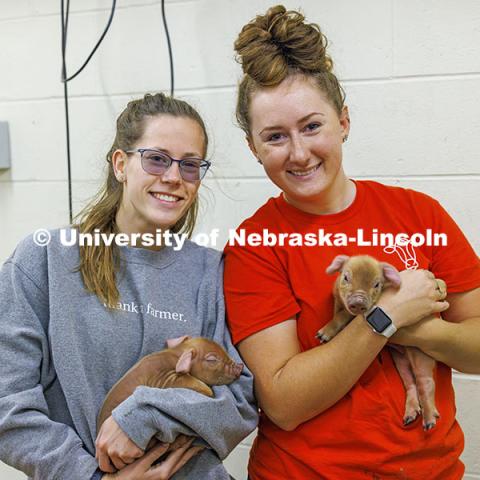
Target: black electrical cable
{"points": [[65, 97], [65, 80], [100, 40], [65, 25], [170, 54]]}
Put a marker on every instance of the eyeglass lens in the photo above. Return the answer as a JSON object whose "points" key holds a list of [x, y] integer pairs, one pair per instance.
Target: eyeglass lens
{"points": [[157, 163]]}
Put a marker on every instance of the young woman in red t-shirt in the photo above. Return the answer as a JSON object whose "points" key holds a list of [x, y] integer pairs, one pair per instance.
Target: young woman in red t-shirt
{"points": [[328, 411]]}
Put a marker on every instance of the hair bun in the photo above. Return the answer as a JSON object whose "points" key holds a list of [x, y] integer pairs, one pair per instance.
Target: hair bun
{"points": [[272, 44]]}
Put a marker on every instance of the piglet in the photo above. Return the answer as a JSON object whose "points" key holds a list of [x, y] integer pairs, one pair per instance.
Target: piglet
{"points": [[195, 363], [356, 290]]}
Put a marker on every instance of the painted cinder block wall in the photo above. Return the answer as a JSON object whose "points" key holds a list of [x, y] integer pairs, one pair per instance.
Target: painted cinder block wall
{"points": [[411, 70]]}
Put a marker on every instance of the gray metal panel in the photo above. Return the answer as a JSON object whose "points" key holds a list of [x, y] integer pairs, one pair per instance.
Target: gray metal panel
{"points": [[4, 146]]}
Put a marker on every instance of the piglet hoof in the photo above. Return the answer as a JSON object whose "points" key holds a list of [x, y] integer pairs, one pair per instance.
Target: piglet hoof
{"points": [[410, 419], [431, 422], [412, 410], [322, 337], [429, 425], [430, 418]]}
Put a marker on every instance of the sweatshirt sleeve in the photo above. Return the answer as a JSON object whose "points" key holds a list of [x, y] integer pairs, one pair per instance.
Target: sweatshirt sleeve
{"points": [[29, 440], [222, 422], [97, 475]]}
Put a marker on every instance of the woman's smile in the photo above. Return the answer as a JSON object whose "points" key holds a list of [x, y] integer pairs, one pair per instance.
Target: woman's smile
{"points": [[166, 199], [304, 174]]}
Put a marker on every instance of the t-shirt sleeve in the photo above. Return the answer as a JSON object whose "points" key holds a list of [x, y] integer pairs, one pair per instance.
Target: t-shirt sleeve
{"points": [[456, 263], [257, 290]]}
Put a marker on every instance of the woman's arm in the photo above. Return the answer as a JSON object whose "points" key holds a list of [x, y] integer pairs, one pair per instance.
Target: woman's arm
{"points": [[316, 379], [454, 341], [29, 440], [312, 380], [222, 422]]}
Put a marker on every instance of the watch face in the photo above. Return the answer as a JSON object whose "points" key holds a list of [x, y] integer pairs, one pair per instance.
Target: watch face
{"points": [[379, 320]]}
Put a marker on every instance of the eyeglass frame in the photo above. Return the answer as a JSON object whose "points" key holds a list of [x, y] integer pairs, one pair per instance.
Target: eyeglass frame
{"points": [[203, 163]]}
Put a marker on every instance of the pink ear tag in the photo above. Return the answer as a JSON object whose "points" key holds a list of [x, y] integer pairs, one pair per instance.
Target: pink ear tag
{"points": [[173, 342], [184, 363]]}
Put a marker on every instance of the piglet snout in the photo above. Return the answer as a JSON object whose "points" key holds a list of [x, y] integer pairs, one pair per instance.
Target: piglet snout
{"points": [[357, 304], [236, 369]]}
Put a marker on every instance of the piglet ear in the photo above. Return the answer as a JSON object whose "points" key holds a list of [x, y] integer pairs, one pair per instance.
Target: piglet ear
{"points": [[173, 342], [391, 274], [337, 264], [184, 363]]}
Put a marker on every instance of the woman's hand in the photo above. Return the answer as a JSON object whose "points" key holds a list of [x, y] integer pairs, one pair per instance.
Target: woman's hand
{"points": [[418, 297], [114, 447], [143, 468]]}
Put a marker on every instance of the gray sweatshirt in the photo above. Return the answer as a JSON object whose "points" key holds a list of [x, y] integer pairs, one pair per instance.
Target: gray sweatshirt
{"points": [[61, 350]]}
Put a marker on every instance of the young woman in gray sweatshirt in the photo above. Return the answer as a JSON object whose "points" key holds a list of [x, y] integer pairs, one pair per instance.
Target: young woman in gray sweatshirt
{"points": [[74, 319]]}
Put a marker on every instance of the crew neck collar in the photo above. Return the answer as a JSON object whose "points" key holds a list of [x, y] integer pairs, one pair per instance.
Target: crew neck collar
{"points": [[329, 218]]}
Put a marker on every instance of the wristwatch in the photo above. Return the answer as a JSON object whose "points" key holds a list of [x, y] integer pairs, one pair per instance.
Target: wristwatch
{"points": [[380, 322]]}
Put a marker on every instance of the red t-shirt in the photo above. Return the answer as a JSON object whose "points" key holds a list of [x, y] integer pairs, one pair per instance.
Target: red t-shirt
{"points": [[362, 436]]}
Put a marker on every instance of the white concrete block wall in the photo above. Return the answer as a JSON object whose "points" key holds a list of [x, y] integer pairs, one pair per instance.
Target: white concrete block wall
{"points": [[411, 70]]}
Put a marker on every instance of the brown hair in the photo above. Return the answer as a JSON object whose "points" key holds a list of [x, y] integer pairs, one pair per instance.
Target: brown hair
{"points": [[100, 264], [278, 45]]}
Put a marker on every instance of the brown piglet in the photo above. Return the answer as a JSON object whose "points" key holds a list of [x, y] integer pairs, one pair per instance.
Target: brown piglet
{"points": [[194, 363], [357, 289]]}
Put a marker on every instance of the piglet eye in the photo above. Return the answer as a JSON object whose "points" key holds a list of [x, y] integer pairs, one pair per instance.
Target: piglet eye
{"points": [[211, 357], [377, 285], [345, 277]]}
